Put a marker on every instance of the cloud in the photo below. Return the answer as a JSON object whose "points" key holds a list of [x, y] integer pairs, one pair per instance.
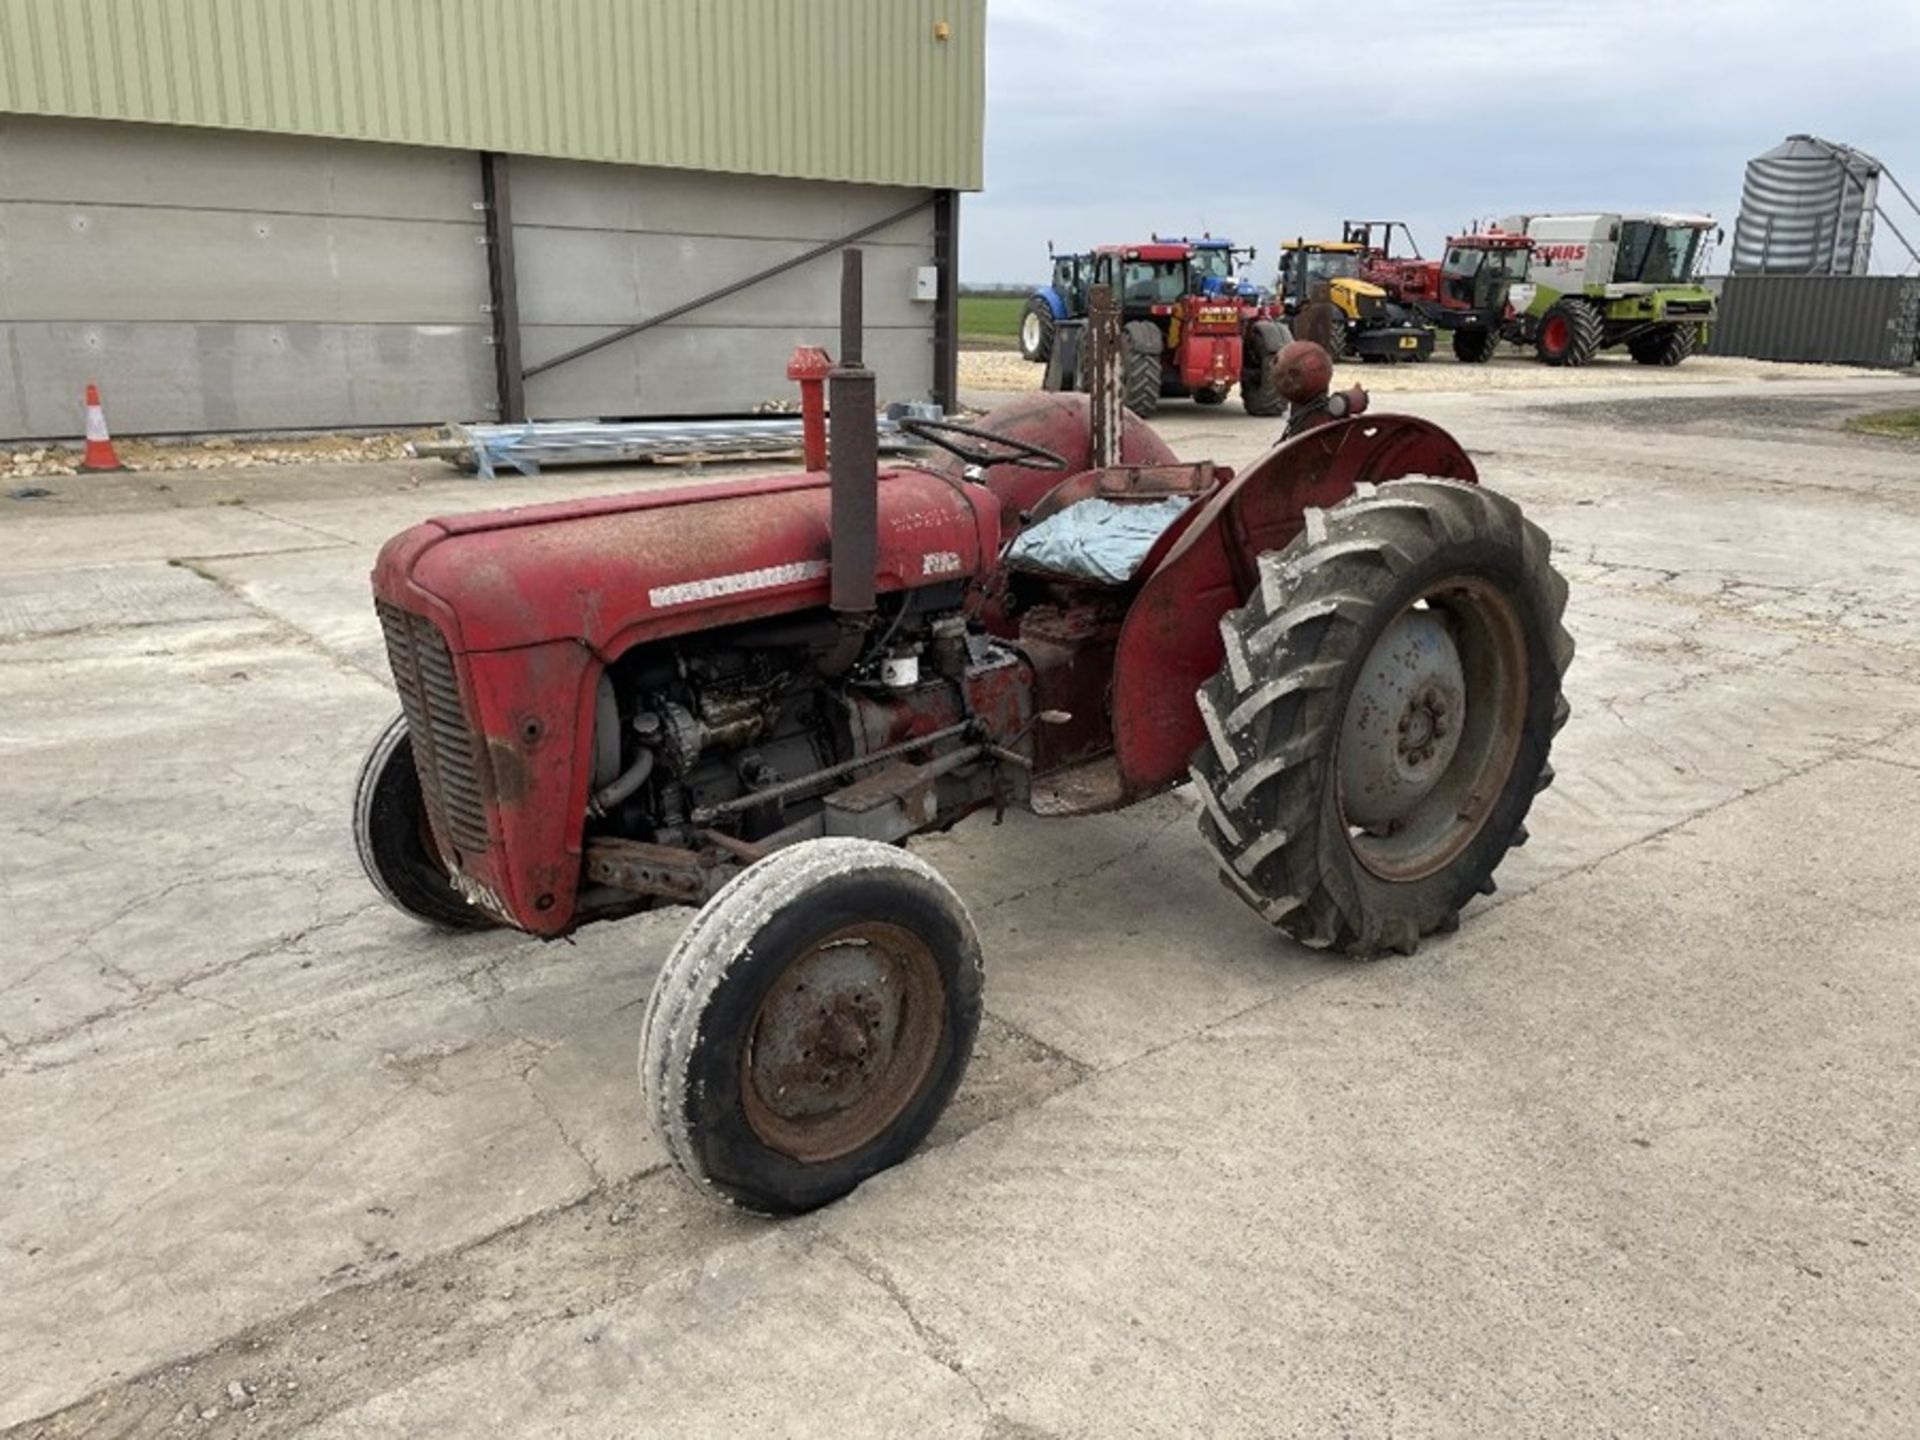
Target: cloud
{"points": [[1107, 120]]}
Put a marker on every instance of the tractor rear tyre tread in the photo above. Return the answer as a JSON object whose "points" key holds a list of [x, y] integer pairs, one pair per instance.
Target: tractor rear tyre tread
{"points": [[703, 1016], [1475, 347], [390, 833], [1268, 780], [1036, 331], [1583, 332], [1140, 346], [1259, 387], [1668, 345]]}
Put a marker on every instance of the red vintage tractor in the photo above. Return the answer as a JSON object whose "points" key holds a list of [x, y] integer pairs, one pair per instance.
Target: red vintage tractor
{"points": [[745, 694], [1467, 290]]}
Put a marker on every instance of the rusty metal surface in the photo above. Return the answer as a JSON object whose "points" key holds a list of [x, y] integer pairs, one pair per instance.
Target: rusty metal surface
{"points": [[843, 1042], [664, 871], [852, 460], [1104, 378], [1403, 720], [1444, 710]]}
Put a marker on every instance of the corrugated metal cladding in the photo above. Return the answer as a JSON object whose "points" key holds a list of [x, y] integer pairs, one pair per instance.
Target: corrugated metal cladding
{"points": [[858, 90], [1827, 319]]}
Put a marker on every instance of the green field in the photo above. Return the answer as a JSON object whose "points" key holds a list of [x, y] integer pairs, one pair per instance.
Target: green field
{"points": [[990, 319], [1900, 424]]}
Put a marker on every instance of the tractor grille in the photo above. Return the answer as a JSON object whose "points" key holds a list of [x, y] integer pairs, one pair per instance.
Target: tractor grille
{"points": [[444, 750], [1689, 307]]}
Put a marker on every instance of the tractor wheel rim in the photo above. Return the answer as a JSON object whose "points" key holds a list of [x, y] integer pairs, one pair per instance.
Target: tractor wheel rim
{"points": [[1556, 333], [1030, 331], [843, 1042], [1432, 729]]}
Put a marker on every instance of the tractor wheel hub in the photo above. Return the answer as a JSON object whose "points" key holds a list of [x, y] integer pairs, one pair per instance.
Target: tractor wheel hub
{"points": [[1403, 720]]}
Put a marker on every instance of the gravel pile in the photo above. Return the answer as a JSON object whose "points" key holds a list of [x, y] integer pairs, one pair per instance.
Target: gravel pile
{"points": [[215, 453]]}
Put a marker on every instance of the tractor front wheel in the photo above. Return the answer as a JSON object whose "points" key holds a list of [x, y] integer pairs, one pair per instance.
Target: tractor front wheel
{"points": [[1475, 347], [1141, 345], [1570, 333], [1036, 330], [1381, 724], [1668, 345], [395, 843], [811, 1025]]}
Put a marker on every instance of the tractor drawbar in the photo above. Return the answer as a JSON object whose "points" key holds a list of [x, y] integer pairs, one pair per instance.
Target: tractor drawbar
{"points": [[853, 468]]}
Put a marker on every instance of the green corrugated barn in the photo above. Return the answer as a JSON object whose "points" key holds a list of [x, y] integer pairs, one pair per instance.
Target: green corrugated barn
{"points": [[269, 214]]}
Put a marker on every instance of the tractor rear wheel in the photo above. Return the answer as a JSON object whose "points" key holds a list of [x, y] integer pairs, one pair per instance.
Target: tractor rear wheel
{"points": [[396, 846], [1036, 330], [1668, 345], [811, 1025], [1475, 347], [1141, 345], [1382, 721], [1259, 385], [1570, 333]]}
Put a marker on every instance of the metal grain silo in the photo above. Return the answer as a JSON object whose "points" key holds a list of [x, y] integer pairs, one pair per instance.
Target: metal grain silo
{"points": [[1807, 209]]}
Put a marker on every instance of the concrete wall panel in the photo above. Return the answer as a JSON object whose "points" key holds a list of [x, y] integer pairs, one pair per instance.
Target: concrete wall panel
{"points": [[599, 247], [582, 195], [704, 370], [83, 162], [184, 378], [81, 262], [215, 281], [593, 277]]}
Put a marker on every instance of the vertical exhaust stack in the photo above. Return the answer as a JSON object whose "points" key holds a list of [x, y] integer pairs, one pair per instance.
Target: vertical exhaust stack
{"points": [[853, 468]]}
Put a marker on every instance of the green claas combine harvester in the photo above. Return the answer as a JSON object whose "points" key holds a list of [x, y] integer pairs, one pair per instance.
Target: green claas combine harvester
{"points": [[1602, 280]]}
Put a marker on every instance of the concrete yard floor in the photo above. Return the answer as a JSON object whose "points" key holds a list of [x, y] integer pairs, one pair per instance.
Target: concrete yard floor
{"points": [[1636, 1151]]}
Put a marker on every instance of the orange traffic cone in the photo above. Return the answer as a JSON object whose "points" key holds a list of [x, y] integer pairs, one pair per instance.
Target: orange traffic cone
{"points": [[99, 454]]}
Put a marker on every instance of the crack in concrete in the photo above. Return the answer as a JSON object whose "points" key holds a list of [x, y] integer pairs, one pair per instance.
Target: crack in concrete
{"points": [[1136, 849], [935, 1343], [147, 993], [292, 633]]}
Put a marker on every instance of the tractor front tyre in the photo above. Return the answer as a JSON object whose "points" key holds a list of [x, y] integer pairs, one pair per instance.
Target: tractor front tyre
{"points": [[1570, 333], [1140, 348], [1382, 720], [1036, 331], [1259, 384], [391, 833], [811, 1025], [1668, 345], [1475, 347]]}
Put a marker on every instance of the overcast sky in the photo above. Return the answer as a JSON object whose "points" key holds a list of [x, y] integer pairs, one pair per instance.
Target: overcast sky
{"points": [[1109, 118]]}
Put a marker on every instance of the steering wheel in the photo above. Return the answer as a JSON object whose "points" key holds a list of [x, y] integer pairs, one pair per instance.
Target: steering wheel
{"points": [[1006, 451]]}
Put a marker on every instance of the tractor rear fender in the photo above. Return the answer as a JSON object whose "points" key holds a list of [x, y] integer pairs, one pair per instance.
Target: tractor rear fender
{"points": [[535, 602], [1170, 642]]}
